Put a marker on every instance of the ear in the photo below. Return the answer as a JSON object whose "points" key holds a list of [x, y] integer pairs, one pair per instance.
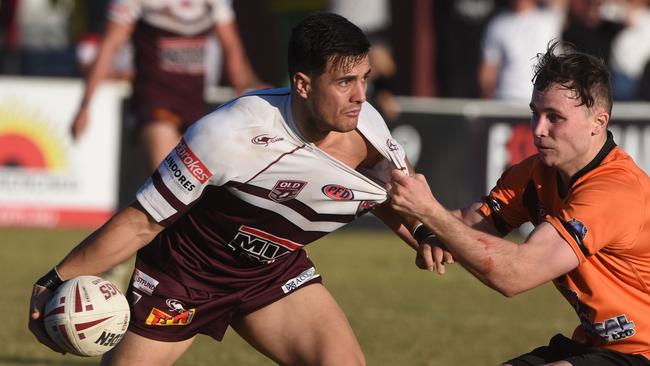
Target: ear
{"points": [[601, 119], [302, 84]]}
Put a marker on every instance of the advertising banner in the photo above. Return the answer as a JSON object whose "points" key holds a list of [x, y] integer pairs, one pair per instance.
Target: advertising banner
{"points": [[46, 178]]}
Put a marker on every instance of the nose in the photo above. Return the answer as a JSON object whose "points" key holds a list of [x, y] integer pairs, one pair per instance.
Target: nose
{"points": [[359, 92], [539, 126]]}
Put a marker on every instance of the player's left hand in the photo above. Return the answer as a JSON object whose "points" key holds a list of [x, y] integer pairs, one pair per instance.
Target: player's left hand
{"points": [[433, 256]]}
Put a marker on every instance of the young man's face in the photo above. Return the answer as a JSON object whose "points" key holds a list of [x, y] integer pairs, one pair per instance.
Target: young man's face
{"points": [[337, 95], [567, 135]]}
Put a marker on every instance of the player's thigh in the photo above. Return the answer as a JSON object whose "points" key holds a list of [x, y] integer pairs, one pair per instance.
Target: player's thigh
{"points": [[159, 138], [305, 328], [134, 349]]}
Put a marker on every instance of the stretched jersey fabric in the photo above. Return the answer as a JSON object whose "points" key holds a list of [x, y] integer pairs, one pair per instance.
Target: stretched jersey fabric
{"points": [[169, 41], [605, 218], [242, 179]]}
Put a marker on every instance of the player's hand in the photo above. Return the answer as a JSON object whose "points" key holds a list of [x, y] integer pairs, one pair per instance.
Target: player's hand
{"points": [[410, 195], [40, 296], [80, 123], [433, 256]]}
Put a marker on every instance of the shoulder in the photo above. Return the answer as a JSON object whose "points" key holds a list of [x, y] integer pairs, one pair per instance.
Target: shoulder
{"points": [[619, 173], [254, 109]]}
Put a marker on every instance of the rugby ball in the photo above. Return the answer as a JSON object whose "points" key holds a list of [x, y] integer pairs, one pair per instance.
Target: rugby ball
{"points": [[87, 316]]}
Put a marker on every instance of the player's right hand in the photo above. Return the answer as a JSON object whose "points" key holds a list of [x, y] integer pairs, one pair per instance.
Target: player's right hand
{"points": [[40, 296], [79, 124]]}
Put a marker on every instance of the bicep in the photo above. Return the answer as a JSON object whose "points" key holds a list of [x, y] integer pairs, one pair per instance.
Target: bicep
{"points": [[547, 255]]}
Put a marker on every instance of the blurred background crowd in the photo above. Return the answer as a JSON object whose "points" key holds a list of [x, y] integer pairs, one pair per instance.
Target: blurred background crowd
{"points": [[441, 48]]}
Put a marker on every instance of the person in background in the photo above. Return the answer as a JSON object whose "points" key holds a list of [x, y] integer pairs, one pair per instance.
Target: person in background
{"points": [[631, 51], [168, 38], [590, 204], [511, 41]]}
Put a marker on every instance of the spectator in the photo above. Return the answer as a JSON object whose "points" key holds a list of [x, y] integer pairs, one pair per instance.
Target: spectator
{"points": [[631, 51], [588, 30], [512, 40]]}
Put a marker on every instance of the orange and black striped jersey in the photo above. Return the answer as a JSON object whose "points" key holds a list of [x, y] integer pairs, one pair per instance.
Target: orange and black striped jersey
{"points": [[604, 215]]}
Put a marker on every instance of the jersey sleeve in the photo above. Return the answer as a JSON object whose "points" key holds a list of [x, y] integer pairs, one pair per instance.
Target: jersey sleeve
{"points": [[222, 11], [206, 155], [504, 205], [602, 212], [125, 11]]}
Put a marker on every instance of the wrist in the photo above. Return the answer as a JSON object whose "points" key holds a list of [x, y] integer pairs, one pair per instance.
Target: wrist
{"points": [[421, 233], [51, 280]]}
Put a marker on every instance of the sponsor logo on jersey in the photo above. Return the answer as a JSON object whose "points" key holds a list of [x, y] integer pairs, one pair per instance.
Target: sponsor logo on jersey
{"points": [[615, 328], [144, 282], [158, 317], [579, 227], [299, 280], [108, 339], [175, 305], [365, 206], [192, 162], [265, 139], [285, 190], [260, 245], [392, 145], [338, 193]]}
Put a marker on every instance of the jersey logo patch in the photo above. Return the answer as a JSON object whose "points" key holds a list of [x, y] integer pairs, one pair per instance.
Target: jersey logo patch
{"points": [[260, 245], [392, 146], [338, 193], [299, 280], [580, 228], [192, 162], [265, 139], [160, 318], [285, 190]]}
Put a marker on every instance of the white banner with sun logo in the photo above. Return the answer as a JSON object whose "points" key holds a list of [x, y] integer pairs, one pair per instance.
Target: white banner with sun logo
{"points": [[46, 178]]}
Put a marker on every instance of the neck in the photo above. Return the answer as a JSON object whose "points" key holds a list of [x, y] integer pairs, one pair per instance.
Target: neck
{"points": [[304, 122], [568, 172]]}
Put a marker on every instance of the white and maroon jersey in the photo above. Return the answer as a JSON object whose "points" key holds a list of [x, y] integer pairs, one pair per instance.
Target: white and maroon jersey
{"points": [[243, 178], [183, 17], [169, 41]]}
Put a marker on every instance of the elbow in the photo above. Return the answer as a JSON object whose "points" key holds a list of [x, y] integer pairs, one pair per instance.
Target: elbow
{"points": [[505, 287]]}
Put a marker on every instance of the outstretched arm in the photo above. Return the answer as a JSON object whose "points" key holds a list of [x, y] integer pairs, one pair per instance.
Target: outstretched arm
{"points": [[505, 266], [116, 241]]}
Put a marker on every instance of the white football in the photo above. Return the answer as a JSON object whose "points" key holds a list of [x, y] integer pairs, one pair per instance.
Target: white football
{"points": [[87, 316]]}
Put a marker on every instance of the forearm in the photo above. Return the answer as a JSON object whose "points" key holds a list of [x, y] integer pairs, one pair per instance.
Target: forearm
{"points": [[113, 243], [492, 260], [392, 220], [116, 36], [236, 63]]}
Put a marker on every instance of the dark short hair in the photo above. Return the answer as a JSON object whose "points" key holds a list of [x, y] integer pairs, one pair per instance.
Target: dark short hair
{"points": [[586, 75], [321, 36]]}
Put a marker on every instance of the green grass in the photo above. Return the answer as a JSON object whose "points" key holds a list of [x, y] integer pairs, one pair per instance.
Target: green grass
{"points": [[401, 315]]}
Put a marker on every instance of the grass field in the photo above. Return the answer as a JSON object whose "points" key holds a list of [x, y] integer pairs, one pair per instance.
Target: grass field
{"points": [[401, 315]]}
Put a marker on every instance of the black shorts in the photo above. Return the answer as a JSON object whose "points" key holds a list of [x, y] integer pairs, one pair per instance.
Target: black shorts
{"points": [[561, 348], [166, 309]]}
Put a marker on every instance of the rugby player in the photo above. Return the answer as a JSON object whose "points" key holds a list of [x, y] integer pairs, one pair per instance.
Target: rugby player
{"points": [[220, 226], [590, 204]]}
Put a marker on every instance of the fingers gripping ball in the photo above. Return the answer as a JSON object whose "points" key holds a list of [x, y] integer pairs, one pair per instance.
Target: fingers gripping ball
{"points": [[87, 316]]}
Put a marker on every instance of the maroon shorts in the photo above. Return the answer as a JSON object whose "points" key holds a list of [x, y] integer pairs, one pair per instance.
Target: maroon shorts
{"points": [[180, 112], [164, 309]]}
